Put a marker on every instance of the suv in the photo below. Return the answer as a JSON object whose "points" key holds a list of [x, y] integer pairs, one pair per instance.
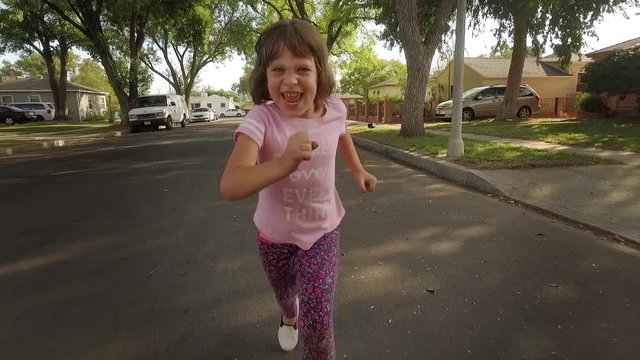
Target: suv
{"points": [[232, 112], [43, 110], [485, 102]]}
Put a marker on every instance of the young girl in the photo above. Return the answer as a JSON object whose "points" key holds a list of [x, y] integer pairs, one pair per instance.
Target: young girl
{"points": [[286, 150]]}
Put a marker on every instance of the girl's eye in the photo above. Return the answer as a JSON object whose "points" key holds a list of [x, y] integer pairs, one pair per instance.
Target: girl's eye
{"points": [[277, 70], [304, 70]]}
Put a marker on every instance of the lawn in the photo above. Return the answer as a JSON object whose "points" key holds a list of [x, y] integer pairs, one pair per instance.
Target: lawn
{"points": [[609, 134], [47, 128], [478, 154]]}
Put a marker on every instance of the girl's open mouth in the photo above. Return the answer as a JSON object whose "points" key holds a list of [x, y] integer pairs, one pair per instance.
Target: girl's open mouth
{"points": [[291, 97]]}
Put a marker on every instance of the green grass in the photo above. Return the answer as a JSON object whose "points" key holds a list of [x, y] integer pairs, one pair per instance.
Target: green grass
{"points": [[44, 128], [605, 134], [478, 154]]}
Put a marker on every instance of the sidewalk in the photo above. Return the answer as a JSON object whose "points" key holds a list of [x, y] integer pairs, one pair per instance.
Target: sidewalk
{"points": [[605, 198]]}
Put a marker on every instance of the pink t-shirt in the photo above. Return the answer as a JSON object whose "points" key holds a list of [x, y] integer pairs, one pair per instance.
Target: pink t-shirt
{"points": [[305, 205]]}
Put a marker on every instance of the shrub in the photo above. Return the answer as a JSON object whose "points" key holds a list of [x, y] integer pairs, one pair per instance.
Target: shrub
{"points": [[591, 103]]}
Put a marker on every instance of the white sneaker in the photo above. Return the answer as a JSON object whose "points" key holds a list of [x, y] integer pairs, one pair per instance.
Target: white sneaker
{"points": [[288, 334]]}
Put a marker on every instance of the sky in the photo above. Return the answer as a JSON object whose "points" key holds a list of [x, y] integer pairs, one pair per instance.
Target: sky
{"points": [[613, 29]]}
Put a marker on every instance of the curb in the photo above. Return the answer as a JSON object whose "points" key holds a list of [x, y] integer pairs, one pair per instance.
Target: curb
{"points": [[478, 181], [442, 168]]}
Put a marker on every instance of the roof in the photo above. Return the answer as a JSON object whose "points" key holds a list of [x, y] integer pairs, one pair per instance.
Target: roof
{"points": [[41, 84], [385, 83], [574, 58], [499, 68], [349, 96], [620, 46]]}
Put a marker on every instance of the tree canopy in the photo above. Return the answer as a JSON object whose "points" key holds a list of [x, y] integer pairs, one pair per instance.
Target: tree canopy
{"points": [[362, 68], [617, 74]]}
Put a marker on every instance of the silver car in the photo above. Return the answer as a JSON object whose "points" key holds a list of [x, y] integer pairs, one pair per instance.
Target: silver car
{"points": [[485, 102]]}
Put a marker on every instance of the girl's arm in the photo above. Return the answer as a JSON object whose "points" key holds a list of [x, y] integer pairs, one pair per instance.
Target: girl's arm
{"points": [[347, 149], [242, 177]]}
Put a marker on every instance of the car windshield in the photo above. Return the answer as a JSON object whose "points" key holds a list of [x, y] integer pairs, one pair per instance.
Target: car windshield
{"points": [[471, 93], [201, 110], [148, 101]]}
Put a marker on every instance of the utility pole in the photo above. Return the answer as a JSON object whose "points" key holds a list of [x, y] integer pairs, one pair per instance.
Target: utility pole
{"points": [[455, 147]]}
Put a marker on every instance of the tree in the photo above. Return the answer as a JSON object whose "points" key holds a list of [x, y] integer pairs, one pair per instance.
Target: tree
{"points": [[9, 69], [116, 31], [202, 35], [617, 74], [419, 27], [337, 20], [30, 27], [562, 21], [362, 69]]}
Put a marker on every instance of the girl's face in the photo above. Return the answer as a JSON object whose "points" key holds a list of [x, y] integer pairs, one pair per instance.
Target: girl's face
{"points": [[292, 82]]}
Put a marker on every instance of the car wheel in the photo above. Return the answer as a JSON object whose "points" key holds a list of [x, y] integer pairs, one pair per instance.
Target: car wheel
{"points": [[524, 112], [238, 115], [39, 118], [169, 123], [183, 123], [9, 121], [135, 129], [221, 115], [467, 114]]}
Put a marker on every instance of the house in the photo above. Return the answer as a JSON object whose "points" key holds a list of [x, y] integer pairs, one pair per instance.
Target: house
{"points": [[390, 88], [576, 67], [82, 101], [385, 88], [216, 102], [602, 53], [350, 99], [547, 80]]}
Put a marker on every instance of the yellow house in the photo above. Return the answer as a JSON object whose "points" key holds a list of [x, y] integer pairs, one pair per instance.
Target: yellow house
{"points": [[385, 88], [350, 99], [391, 88], [547, 80]]}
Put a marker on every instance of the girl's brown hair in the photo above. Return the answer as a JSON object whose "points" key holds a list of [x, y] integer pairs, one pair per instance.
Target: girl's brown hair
{"points": [[303, 40]]}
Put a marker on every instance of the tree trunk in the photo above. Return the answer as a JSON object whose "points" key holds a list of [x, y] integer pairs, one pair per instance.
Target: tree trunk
{"points": [[47, 55], [62, 111], [417, 71], [419, 54], [508, 109]]}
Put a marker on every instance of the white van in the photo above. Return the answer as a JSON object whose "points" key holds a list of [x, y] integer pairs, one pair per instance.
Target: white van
{"points": [[157, 110]]}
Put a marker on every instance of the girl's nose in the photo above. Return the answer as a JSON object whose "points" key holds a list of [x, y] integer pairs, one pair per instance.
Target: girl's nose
{"points": [[290, 78]]}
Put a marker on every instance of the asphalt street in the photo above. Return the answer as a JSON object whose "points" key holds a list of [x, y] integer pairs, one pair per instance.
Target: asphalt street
{"points": [[123, 249]]}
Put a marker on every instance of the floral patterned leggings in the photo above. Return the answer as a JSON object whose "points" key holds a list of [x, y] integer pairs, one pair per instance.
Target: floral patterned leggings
{"points": [[312, 275]]}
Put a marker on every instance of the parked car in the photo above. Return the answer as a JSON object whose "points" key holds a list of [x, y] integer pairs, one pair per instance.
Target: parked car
{"points": [[485, 102], [232, 113], [43, 110], [158, 110], [203, 114], [10, 115]]}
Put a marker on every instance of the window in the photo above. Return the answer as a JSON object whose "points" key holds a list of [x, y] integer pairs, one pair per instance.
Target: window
{"points": [[196, 105], [34, 98], [222, 105], [209, 106], [524, 92], [102, 102], [6, 99]]}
